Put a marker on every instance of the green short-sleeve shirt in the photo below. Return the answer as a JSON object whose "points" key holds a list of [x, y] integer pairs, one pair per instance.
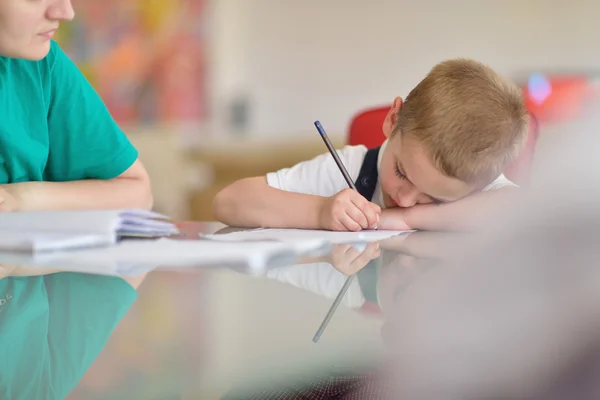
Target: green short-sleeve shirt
{"points": [[53, 327], [54, 126]]}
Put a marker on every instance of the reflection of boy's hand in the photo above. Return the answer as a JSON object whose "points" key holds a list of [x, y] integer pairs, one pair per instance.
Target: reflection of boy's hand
{"points": [[348, 211], [348, 260]]}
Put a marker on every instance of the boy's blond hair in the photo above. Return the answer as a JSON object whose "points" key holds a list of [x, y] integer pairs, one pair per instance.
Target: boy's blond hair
{"points": [[471, 121]]}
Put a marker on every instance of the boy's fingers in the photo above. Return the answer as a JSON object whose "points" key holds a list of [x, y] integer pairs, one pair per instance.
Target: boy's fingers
{"points": [[369, 212], [371, 217], [349, 223], [376, 208], [358, 200], [377, 211], [358, 216]]}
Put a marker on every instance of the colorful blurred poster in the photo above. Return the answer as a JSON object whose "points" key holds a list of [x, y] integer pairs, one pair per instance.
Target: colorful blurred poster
{"points": [[146, 58]]}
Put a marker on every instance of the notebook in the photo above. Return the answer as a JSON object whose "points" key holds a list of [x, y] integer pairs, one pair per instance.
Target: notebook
{"points": [[120, 222], [35, 231]]}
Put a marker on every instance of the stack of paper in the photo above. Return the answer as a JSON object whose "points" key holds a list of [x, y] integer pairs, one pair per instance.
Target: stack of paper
{"points": [[54, 230]]}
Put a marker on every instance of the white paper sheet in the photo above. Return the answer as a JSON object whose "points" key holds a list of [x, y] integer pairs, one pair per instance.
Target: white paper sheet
{"points": [[299, 235]]}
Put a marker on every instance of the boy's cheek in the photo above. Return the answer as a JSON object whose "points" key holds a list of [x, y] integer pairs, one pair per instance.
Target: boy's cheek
{"points": [[388, 202], [388, 188]]}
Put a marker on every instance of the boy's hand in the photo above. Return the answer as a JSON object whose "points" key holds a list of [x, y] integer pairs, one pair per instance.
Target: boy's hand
{"points": [[348, 211], [8, 201]]}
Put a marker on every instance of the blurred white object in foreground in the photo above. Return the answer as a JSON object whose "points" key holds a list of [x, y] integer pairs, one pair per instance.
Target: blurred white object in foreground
{"points": [[518, 317]]}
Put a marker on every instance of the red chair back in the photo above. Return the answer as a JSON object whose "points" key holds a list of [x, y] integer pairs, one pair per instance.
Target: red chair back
{"points": [[366, 129]]}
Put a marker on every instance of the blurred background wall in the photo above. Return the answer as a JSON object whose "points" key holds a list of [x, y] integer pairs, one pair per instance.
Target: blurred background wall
{"points": [[214, 90], [297, 61]]}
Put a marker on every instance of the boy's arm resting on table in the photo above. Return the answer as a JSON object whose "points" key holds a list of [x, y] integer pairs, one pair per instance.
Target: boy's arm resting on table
{"points": [[252, 203], [308, 195], [471, 213], [131, 189]]}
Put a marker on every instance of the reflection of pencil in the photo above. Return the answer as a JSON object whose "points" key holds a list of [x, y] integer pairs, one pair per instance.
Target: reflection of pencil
{"points": [[333, 307]]}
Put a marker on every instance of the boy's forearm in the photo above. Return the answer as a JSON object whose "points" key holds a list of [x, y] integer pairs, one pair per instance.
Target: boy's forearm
{"points": [[86, 194], [471, 213], [251, 204]]}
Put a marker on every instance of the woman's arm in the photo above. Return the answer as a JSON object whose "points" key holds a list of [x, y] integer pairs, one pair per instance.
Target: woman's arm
{"points": [[131, 189]]}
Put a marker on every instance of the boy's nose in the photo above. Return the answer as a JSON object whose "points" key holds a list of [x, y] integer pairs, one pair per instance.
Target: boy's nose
{"points": [[408, 197]]}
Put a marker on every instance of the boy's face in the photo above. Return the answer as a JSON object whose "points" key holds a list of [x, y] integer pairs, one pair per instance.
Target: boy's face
{"points": [[407, 175], [27, 26]]}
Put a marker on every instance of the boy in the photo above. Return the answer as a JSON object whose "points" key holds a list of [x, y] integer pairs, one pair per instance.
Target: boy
{"points": [[453, 136]]}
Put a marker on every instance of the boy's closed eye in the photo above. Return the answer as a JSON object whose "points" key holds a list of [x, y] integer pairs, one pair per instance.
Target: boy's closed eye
{"points": [[399, 173], [402, 176]]}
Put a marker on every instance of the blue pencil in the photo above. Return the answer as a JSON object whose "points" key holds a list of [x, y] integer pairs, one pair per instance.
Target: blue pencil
{"points": [[334, 154]]}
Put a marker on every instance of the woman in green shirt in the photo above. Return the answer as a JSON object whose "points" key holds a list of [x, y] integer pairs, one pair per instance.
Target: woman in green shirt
{"points": [[59, 146]]}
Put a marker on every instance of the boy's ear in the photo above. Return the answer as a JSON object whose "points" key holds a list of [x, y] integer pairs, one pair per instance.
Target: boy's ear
{"points": [[390, 119]]}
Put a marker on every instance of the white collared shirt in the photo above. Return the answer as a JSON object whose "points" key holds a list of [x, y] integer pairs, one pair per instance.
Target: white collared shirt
{"points": [[321, 176]]}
